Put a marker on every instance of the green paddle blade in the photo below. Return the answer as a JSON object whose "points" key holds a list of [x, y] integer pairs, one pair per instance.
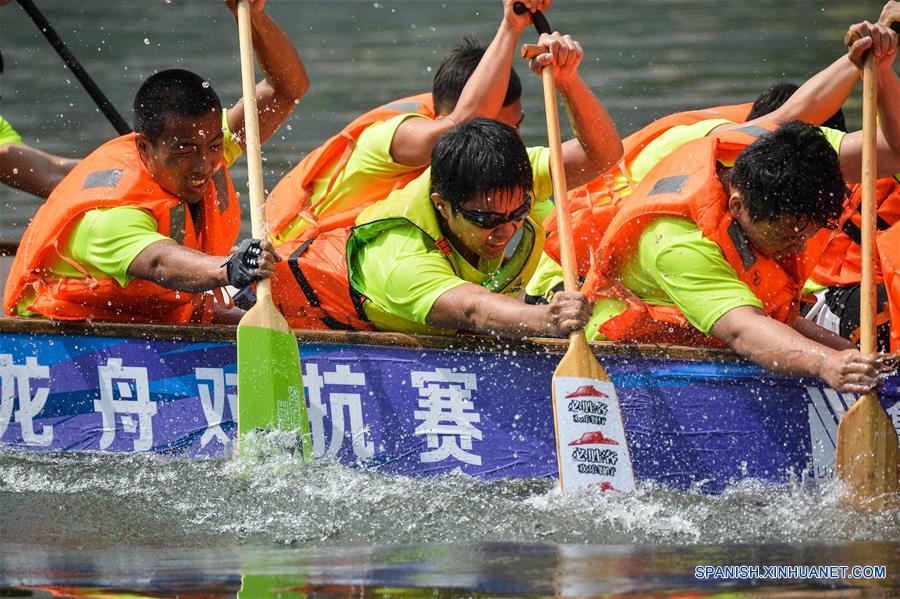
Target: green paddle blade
{"points": [[273, 586], [270, 386]]}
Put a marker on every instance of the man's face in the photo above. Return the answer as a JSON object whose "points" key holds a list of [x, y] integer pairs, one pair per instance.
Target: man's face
{"points": [[186, 154], [473, 225], [776, 238]]}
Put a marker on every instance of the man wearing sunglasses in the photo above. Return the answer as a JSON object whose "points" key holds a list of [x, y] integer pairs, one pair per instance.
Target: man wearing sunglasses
{"points": [[442, 254], [437, 256]]}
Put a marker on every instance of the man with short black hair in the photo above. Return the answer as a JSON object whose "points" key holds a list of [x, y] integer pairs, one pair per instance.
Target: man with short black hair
{"points": [[145, 224], [435, 257], [710, 250]]}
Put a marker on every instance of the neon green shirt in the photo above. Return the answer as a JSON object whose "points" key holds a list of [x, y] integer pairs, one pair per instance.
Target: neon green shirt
{"points": [[105, 241], [370, 163], [8, 135], [675, 265], [402, 273]]}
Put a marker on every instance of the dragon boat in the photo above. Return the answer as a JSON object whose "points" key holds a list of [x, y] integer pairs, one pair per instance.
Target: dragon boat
{"points": [[695, 419]]}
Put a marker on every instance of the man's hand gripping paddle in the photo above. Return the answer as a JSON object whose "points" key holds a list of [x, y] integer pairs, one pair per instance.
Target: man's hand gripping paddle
{"points": [[270, 387], [591, 447]]}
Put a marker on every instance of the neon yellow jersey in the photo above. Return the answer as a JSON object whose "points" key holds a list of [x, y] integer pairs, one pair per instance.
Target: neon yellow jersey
{"points": [[231, 150], [8, 135], [668, 142], [106, 241], [675, 265], [402, 274], [369, 163]]}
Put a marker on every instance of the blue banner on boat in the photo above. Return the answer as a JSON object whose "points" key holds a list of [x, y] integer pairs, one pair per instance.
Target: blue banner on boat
{"points": [[421, 412]]}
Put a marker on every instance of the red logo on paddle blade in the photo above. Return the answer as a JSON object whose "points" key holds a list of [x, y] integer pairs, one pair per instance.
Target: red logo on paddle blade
{"points": [[594, 438], [605, 486], [587, 391]]}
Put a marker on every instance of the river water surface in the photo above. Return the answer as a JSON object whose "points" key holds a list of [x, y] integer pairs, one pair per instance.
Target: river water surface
{"points": [[264, 525]]}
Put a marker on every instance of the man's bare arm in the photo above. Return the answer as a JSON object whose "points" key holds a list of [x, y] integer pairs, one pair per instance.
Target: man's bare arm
{"points": [[32, 170], [473, 308]]}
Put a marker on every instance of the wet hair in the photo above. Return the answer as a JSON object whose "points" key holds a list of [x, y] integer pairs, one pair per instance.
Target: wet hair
{"points": [[791, 171], [455, 70], [774, 96], [174, 92], [479, 157]]}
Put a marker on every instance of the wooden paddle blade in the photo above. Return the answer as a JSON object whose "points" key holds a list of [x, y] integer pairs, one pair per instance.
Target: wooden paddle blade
{"points": [[270, 385], [866, 457], [591, 446]]}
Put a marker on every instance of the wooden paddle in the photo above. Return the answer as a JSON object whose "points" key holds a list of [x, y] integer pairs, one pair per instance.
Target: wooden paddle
{"points": [[270, 387], [866, 456], [591, 448]]}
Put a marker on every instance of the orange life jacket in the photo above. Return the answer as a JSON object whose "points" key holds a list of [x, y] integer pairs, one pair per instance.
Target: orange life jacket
{"points": [[311, 287], [888, 245], [686, 184], [589, 204], [293, 194], [840, 262], [114, 176]]}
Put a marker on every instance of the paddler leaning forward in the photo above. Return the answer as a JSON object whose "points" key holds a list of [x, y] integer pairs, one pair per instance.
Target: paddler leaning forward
{"points": [[710, 248], [147, 220], [443, 254]]}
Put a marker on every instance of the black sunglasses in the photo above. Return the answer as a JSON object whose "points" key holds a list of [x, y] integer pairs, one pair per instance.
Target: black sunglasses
{"points": [[492, 220]]}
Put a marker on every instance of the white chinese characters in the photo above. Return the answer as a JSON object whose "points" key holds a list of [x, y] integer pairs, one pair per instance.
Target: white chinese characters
{"points": [[16, 384], [125, 392], [211, 384], [894, 413], [448, 415], [339, 402]]}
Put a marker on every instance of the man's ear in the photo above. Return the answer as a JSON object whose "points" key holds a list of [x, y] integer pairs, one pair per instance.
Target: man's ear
{"points": [[736, 203], [143, 146], [440, 204]]}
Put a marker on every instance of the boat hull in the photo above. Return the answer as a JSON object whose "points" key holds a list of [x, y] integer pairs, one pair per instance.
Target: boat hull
{"points": [[694, 419]]}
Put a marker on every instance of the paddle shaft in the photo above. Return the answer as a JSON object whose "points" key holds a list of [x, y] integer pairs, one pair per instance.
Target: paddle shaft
{"points": [[557, 167], [251, 136], [866, 452], [103, 103], [868, 297], [558, 174]]}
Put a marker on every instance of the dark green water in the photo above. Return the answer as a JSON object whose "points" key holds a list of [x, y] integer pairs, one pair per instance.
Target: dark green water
{"points": [[156, 524], [163, 527]]}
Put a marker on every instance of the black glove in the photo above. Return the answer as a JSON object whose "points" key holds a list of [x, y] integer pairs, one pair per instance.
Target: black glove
{"points": [[241, 266], [245, 298]]}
